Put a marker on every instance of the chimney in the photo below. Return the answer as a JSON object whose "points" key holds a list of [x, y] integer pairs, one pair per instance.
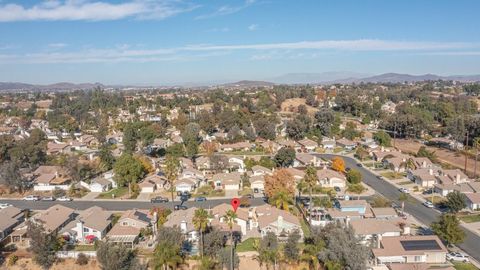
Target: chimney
{"points": [[280, 221], [430, 171]]}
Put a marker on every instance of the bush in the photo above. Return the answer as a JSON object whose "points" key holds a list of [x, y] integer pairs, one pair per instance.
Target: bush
{"points": [[356, 188], [82, 259], [58, 193], [12, 260]]}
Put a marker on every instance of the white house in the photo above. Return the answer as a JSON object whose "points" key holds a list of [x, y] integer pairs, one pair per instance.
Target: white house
{"points": [[473, 201], [91, 224], [330, 178]]}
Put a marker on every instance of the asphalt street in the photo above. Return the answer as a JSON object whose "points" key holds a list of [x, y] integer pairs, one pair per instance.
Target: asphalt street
{"points": [[425, 215]]}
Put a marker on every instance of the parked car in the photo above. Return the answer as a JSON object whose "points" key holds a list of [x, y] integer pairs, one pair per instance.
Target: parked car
{"points": [[428, 204], [31, 198], [249, 196], [256, 190], [359, 165], [48, 198], [427, 192], [337, 189], [64, 199], [4, 205], [201, 199], [404, 190], [458, 257], [180, 207], [159, 200]]}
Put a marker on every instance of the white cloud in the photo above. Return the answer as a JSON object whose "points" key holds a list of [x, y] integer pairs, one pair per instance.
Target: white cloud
{"points": [[57, 45], [219, 30], [226, 10], [253, 27], [76, 10], [125, 53]]}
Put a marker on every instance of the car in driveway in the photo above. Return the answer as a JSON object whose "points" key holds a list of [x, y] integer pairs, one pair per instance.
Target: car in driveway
{"points": [[200, 199], [337, 189], [4, 205], [404, 190], [359, 165], [159, 200], [48, 198], [428, 204], [457, 257], [31, 198], [180, 207], [64, 199]]}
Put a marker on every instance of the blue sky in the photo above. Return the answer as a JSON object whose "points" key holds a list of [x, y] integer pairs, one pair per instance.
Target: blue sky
{"points": [[192, 41]]}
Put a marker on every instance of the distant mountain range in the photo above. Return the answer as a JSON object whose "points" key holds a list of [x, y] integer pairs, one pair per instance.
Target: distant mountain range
{"points": [[291, 78]]}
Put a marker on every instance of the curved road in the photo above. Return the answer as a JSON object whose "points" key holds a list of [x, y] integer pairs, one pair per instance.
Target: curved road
{"points": [[412, 207]]}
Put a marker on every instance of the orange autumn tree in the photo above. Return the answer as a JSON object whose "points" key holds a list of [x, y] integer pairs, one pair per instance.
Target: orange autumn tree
{"points": [[280, 188], [338, 164]]}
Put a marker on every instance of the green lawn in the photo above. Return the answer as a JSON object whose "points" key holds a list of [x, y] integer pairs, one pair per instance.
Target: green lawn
{"points": [[247, 245], [464, 266], [470, 218], [435, 199], [305, 227], [118, 192]]}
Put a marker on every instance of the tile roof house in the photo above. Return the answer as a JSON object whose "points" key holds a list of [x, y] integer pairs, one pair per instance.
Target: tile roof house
{"points": [[304, 159], [257, 182], [423, 177], [410, 249], [128, 227], [260, 170], [241, 222], [370, 229], [55, 218], [89, 225], [280, 222], [384, 212], [10, 218], [396, 164], [50, 177], [473, 201], [346, 144], [308, 145], [227, 181], [330, 178], [183, 220]]}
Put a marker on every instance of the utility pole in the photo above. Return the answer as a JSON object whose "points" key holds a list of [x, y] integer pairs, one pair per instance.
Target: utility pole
{"points": [[466, 154], [394, 133]]}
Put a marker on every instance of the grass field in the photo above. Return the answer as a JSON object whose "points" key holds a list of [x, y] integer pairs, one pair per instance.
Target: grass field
{"points": [[470, 218], [117, 192], [247, 245], [464, 266]]}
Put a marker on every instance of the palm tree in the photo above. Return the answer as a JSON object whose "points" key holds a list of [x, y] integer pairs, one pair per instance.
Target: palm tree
{"points": [[476, 144], [310, 255], [230, 218], [172, 166], [310, 180], [281, 200], [200, 222]]}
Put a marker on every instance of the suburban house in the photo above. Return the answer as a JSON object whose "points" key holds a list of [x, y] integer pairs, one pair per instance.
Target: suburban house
{"points": [[410, 249], [100, 184], [48, 178], [257, 182], [57, 148], [227, 181], [55, 218], [369, 143], [183, 220], [346, 144], [446, 143], [281, 223], [237, 164], [423, 177], [260, 170], [128, 227], [186, 184], [308, 145], [242, 221], [11, 217], [384, 212], [329, 178], [240, 146], [396, 164], [473, 201], [371, 229], [296, 173], [304, 159], [89, 225], [151, 183], [270, 146], [456, 175], [422, 162], [328, 143]]}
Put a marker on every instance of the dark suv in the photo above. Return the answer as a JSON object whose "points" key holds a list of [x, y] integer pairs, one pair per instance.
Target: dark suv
{"points": [[159, 200]]}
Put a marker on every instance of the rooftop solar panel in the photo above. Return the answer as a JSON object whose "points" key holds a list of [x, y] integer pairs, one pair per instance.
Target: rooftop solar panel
{"points": [[409, 245]]}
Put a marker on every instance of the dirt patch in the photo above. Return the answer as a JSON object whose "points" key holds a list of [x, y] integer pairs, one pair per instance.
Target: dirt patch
{"points": [[446, 156], [28, 264], [291, 105]]}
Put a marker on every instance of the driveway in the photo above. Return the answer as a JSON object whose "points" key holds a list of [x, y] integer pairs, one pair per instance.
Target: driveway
{"points": [[90, 196], [143, 197]]}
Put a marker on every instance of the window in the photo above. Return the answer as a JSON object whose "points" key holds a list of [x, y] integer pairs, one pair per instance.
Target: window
{"points": [[85, 230], [124, 223], [418, 258]]}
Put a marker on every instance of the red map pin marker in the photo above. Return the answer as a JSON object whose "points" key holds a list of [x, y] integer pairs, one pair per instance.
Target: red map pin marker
{"points": [[235, 203]]}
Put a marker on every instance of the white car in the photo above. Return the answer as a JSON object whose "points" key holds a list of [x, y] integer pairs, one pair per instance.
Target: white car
{"points": [[404, 190], [64, 199], [457, 256], [428, 204], [4, 205], [31, 198]]}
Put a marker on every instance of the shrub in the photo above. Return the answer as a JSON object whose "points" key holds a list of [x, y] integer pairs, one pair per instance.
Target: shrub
{"points": [[12, 260], [82, 259]]}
